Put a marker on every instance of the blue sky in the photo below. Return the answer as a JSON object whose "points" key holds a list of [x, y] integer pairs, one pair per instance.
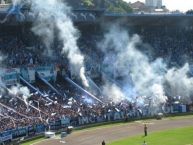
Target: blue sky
{"points": [[182, 5]]}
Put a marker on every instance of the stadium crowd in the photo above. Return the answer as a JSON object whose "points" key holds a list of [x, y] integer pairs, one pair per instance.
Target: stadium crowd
{"points": [[17, 53], [172, 44], [15, 112]]}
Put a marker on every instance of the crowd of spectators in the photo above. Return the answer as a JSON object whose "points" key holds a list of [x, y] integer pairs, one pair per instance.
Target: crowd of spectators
{"points": [[38, 109], [48, 106], [16, 53], [174, 45], [16, 112]]}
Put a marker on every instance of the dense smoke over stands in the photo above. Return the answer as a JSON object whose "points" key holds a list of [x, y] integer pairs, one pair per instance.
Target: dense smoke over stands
{"points": [[140, 76], [133, 74], [52, 21], [177, 83]]}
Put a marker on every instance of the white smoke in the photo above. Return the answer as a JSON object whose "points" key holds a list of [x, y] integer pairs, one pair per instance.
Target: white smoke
{"points": [[113, 92], [20, 90], [140, 77], [44, 24], [82, 72], [52, 21], [179, 84], [52, 16]]}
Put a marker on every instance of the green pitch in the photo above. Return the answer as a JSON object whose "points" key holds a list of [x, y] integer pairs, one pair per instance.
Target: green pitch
{"points": [[182, 136]]}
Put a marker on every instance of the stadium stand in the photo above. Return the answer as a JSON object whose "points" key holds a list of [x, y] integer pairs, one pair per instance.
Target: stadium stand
{"points": [[53, 103]]}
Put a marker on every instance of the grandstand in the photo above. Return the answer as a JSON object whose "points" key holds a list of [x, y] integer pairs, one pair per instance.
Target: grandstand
{"points": [[40, 93]]}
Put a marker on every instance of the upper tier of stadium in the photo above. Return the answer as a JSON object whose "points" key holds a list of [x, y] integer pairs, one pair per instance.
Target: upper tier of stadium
{"points": [[20, 15]]}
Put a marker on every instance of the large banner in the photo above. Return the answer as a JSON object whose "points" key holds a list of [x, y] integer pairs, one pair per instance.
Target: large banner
{"points": [[31, 72], [9, 76], [31, 130], [40, 128], [24, 73], [4, 7], [19, 132], [111, 116], [65, 122], [47, 72], [5, 138], [28, 73]]}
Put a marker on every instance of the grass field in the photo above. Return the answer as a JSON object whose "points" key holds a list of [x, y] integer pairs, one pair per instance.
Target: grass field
{"points": [[182, 136]]}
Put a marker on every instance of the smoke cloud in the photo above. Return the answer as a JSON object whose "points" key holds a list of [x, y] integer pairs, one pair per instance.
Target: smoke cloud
{"points": [[178, 83], [135, 75], [84, 79], [52, 16], [52, 21], [19, 90], [114, 92]]}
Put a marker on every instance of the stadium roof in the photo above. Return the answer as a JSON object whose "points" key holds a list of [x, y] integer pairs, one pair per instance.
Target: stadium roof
{"points": [[151, 19]]}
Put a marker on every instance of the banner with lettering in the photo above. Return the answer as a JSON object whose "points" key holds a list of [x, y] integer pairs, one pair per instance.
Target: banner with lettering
{"points": [[5, 138], [47, 72], [9, 76], [19, 132], [31, 72]]}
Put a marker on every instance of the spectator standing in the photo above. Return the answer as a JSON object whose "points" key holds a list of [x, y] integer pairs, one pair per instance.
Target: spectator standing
{"points": [[145, 130]]}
